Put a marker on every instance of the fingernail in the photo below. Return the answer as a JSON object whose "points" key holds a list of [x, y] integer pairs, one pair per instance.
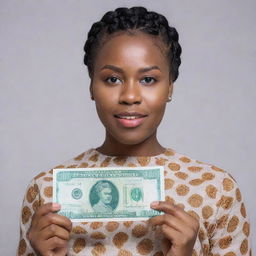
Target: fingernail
{"points": [[56, 206], [154, 204]]}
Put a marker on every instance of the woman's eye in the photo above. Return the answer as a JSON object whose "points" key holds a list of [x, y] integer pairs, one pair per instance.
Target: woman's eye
{"points": [[113, 80], [148, 80]]}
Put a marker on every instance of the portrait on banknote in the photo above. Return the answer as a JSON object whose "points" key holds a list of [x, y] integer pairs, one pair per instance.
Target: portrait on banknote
{"points": [[104, 196]]}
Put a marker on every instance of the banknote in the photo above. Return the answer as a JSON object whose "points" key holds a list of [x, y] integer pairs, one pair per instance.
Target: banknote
{"points": [[104, 194]]}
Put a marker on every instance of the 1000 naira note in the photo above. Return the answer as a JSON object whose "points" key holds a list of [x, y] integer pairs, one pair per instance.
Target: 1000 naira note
{"points": [[101, 194]]}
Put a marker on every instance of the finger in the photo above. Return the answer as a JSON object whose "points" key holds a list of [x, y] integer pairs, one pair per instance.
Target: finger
{"points": [[55, 242], [45, 209], [164, 206], [171, 234], [177, 238], [169, 220], [54, 218], [173, 209], [49, 207], [54, 230]]}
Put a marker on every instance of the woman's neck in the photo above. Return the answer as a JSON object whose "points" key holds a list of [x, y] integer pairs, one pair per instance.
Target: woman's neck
{"points": [[149, 147]]}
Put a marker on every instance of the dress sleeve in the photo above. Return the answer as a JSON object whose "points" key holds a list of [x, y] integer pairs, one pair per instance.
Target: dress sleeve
{"points": [[31, 203], [231, 236]]}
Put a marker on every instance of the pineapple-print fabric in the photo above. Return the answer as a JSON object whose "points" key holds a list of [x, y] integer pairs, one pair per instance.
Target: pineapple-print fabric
{"points": [[203, 190]]}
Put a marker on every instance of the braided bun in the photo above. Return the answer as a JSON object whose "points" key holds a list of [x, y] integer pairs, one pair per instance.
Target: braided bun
{"points": [[135, 18]]}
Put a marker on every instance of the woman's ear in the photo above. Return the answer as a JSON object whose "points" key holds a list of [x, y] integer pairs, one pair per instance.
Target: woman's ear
{"points": [[91, 91]]}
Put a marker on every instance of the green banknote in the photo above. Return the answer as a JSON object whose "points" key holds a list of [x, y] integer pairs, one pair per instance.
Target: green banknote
{"points": [[102, 194]]}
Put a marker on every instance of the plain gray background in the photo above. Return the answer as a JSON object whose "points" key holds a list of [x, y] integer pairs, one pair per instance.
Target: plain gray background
{"points": [[47, 116]]}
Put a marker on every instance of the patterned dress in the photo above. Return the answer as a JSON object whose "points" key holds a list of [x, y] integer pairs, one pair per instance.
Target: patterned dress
{"points": [[203, 190]]}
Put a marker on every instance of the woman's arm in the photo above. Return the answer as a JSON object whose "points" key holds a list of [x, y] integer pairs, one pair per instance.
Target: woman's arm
{"points": [[231, 235], [31, 203], [43, 231]]}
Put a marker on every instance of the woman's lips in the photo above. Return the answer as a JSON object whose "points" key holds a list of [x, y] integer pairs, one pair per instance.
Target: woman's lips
{"points": [[130, 119], [130, 122]]}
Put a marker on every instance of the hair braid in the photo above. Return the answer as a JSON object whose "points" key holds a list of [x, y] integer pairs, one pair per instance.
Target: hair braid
{"points": [[135, 18]]}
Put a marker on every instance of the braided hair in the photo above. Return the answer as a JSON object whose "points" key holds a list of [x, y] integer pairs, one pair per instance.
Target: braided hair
{"points": [[135, 19]]}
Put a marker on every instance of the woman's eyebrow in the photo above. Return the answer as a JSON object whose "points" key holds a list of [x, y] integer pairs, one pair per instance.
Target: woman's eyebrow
{"points": [[142, 70], [119, 70]]}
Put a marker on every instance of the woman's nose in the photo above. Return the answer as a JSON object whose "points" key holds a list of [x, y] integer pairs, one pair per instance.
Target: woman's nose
{"points": [[130, 94]]}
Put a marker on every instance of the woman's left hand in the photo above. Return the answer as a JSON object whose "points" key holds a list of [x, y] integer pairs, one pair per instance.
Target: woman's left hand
{"points": [[179, 228]]}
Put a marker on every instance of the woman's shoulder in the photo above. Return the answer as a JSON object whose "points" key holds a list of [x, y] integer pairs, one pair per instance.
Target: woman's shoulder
{"points": [[198, 171], [199, 183], [41, 185], [193, 165], [78, 161]]}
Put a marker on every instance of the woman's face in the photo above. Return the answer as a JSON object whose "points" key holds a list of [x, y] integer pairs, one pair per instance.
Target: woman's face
{"points": [[130, 86]]}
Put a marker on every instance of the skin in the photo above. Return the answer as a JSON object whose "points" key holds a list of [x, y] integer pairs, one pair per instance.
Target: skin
{"points": [[49, 232], [122, 81], [179, 228], [131, 90]]}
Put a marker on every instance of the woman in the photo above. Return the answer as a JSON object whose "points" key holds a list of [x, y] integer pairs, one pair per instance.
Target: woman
{"points": [[133, 58]]}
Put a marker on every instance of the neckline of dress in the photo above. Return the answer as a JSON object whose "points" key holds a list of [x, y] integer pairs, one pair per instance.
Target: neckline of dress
{"points": [[163, 154]]}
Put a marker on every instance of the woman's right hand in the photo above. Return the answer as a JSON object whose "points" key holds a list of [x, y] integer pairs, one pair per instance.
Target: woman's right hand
{"points": [[49, 232]]}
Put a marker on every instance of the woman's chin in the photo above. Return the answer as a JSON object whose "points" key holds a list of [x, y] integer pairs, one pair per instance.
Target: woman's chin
{"points": [[131, 140]]}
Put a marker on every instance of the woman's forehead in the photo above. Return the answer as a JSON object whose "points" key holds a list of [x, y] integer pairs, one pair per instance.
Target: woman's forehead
{"points": [[131, 49]]}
